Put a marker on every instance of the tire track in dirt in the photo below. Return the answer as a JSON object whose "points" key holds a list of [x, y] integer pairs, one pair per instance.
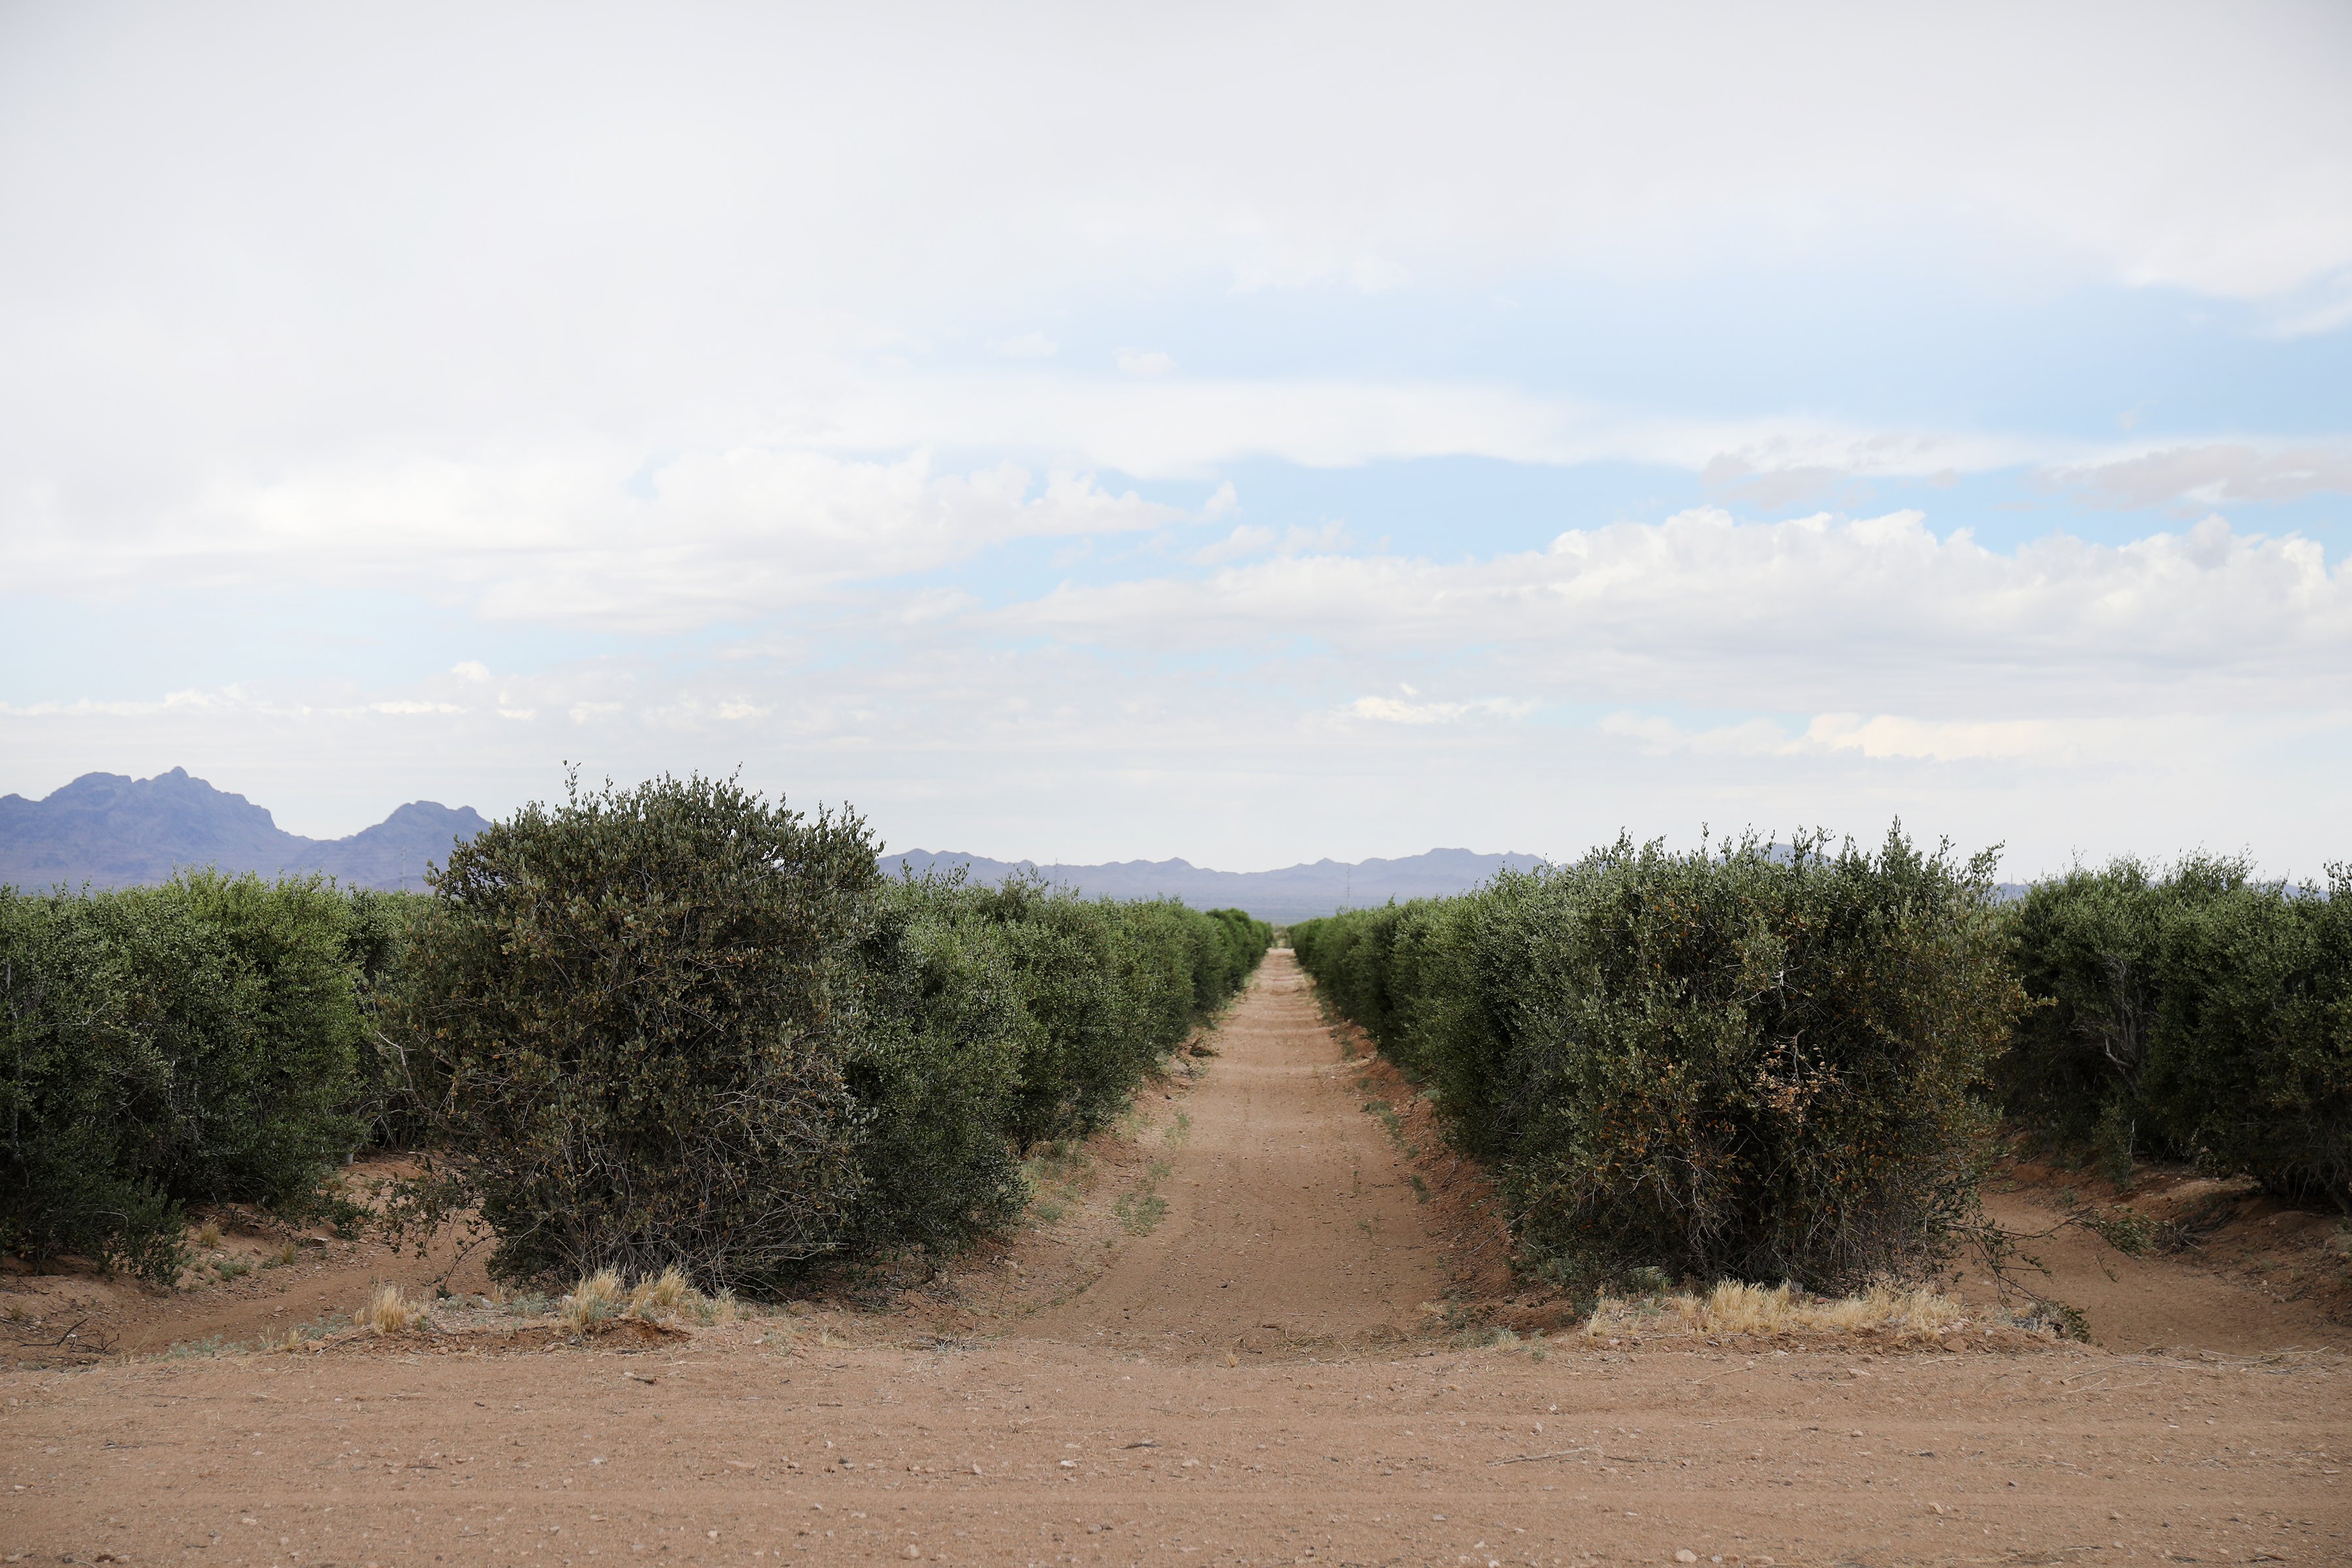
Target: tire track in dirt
{"points": [[1291, 1215]]}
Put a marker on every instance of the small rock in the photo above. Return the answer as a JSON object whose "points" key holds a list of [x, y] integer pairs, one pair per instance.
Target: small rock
{"points": [[1685, 1555], [912, 1553]]}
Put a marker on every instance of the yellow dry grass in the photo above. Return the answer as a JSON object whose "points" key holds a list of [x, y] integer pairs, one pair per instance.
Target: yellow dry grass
{"points": [[603, 1296], [390, 1312], [1732, 1308], [593, 1300]]}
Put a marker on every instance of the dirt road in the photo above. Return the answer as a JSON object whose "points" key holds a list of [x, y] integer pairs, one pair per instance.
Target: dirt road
{"points": [[1291, 1215], [1217, 1353]]}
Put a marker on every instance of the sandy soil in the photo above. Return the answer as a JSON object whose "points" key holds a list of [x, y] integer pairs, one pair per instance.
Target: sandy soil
{"points": [[1239, 1336]]}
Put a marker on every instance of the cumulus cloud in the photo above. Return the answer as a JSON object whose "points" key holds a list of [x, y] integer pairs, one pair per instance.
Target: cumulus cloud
{"points": [[1813, 614]]}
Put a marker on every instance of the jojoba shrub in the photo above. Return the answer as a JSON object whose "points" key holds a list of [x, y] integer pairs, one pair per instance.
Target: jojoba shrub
{"points": [[194, 1042], [2192, 1012], [934, 1063], [2251, 1066], [1750, 1061], [679, 1025], [637, 1007]]}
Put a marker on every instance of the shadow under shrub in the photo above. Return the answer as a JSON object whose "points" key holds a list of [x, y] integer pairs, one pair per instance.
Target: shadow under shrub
{"points": [[1752, 1064]]}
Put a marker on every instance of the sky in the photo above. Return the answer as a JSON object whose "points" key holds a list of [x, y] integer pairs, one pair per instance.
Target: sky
{"points": [[1246, 432]]}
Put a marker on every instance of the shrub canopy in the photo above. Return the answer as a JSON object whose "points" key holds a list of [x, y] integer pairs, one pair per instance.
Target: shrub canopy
{"points": [[2193, 1013], [635, 1006], [679, 1025], [1750, 1064], [194, 1042]]}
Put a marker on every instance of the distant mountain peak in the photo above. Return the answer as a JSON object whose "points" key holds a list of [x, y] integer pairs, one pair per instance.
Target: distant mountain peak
{"points": [[1292, 893], [110, 830]]}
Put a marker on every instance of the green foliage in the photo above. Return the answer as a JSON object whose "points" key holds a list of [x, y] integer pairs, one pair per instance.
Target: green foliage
{"points": [[194, 1042], [637, 1007], [673, 1025], [386, 1100], [2197, 1014], [937, 1060], [678, 1025], [1111, 987], [1745, 1064]]}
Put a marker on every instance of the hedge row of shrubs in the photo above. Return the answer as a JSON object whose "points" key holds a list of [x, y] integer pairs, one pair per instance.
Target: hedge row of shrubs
{"points": [[2191, 1013], [1747, 1062], [671, 1026], [1770, 1065]]}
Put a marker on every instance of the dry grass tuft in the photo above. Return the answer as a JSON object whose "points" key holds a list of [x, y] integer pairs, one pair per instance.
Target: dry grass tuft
{"points": [[1732, 1308], [390, 1312], [595, 1299], [209, 1234], [603, 1297], [661, 1296]]}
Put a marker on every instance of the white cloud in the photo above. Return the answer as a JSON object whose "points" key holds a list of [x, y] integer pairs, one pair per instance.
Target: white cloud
{"points": [[1390, 711], [1029, 345], [1878, 614], [1248, 539], [2209, 474], [1136, 362], [573, 537], [1877, 736], [473, 671], [1890, 735], [1141, 424]]}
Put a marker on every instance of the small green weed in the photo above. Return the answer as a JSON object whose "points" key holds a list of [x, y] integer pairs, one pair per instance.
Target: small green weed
{"points": [[1143, 1209], [1140, 1210]]}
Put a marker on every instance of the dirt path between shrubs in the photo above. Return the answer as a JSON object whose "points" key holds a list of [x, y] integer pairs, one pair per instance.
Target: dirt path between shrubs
{"points": [[1292, 1218], [1247, 1374]]}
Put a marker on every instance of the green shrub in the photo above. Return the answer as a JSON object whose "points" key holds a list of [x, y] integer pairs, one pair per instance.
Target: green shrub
{"points": [[387, 1098], [1088, 1041], [1750, 1065], [1107, 987], [637, 1007], [936, 1060], [678, 1026], [194, 1042], [2088, 950], [2196, 1013]]}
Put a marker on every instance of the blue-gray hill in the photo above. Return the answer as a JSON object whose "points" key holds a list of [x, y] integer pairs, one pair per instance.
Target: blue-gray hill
{"points": [[111, 831], [1292, 893]]}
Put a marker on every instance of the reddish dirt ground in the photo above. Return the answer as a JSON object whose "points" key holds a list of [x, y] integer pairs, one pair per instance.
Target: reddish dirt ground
{"points": [[1228, 1340]]}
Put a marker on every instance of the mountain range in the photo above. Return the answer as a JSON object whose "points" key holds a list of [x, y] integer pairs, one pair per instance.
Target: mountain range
{"points": [[110, 831], [1293, 893]]}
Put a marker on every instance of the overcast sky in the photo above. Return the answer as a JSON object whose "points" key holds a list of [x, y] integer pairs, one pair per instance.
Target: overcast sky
{"points": [[1246, 433]]}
